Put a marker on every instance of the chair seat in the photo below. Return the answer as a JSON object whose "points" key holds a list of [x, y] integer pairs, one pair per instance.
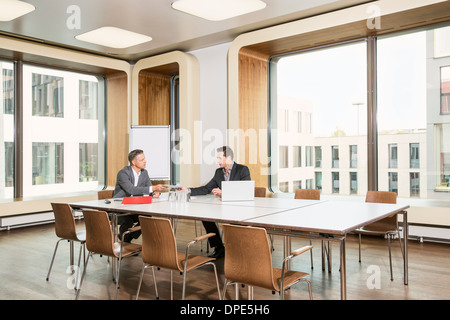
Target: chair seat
{"points": [[193, 261], [379, 228], [290, 277], [128, 249], [81, 236]]}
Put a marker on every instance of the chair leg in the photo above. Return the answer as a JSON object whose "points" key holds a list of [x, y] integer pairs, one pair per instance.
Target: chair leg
{"points": [[79, 263], [82, 277], [117, 276], [154, 282], [140, 280], [390, 255], [144, 266], [53, 259], [359, 242], [311, 253], [171, 285]]}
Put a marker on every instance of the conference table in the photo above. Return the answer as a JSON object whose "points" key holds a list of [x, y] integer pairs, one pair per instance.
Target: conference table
{"points": [[329, 220]]}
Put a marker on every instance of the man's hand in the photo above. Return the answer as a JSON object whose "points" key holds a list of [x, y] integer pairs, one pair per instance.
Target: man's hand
{"points": [[158, 187], [217, 192]]}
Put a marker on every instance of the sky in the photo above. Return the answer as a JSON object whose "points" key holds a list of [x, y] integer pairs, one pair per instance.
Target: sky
{"points": [[335, 80]]}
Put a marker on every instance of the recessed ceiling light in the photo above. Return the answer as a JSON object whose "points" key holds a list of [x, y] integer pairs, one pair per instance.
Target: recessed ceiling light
{"points": [[216, 10], [12, 9], [113, 37]]}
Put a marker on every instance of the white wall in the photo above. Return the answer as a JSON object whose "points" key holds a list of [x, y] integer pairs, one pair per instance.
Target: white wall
{"points": [[213, 104]]}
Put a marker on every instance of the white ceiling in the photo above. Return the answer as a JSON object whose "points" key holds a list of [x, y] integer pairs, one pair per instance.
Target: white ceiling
{"points": [[170, 29]]}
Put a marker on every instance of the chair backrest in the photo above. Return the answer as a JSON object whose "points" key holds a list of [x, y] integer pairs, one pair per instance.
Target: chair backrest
{"points": [[64, 221], [260, 192], [308, 194], [159, 247], [248, 259], [105, 194], [383, 197], [99, 236]]}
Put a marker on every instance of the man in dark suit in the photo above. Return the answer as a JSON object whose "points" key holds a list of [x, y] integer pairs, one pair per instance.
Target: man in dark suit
{"points": [[228, 171], [133, 180]]}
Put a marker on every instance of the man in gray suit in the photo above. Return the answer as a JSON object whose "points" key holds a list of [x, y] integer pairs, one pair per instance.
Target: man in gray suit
{"points": [[133, 180]]}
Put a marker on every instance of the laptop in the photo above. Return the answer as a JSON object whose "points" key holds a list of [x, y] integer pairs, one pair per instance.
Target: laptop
{"points": [[238, 190]]}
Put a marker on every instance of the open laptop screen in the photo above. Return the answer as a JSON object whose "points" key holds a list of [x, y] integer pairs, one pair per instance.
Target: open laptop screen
{"points": [[238, 190]]}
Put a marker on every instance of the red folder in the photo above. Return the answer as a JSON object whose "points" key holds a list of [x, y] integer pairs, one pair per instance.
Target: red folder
{"points": [[135, 200]]}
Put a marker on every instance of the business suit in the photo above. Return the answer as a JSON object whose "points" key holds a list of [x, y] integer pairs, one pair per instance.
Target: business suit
{"points": [[125, 188], [238, 172]]}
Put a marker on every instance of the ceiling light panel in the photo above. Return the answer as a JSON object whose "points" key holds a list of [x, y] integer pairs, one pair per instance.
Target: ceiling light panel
{"points": [[216, 10], [13, 9], [113, 37]]}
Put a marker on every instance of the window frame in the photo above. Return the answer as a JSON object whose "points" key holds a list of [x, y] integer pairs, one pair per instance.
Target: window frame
{"points": [[19, 123]]}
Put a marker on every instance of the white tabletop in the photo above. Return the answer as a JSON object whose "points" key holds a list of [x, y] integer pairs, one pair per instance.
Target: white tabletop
{"points": [[330, 217]]}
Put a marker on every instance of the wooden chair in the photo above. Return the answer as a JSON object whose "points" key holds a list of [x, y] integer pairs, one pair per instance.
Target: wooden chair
{"points": [[387, 227], [248, 261], [159, 249], [314, 194], [260, 192], [105, 194], [99, 240], [65, 229]]}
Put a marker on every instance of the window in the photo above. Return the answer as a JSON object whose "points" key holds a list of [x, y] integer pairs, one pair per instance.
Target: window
{"points": [[353, 156], [47, 95], [309, 183], [318, 157], [309, 156], [88, 96], [393, 182], [297, 184], [414, 155], [63, 122], [284, 156], [414, 184], [392, 156], [299, 121], [7, 130], [442, 142], [408, 126], [445, 90], [8, 87], [88, 162], [412, 87], [319, 88], [335, 156], [48, 163], [284, 186], [353, 183], [297, 153], [335, 182], [318, 180]]}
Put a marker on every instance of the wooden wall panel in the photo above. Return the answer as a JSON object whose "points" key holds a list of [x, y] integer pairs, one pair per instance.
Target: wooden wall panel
{"points": [[154, 98], [253, 115], [116, 125]]}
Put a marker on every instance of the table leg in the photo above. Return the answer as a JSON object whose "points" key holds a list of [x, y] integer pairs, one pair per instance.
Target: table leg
{"points": [[287, 250], [343, 272], [71, 253], [405, 247]]}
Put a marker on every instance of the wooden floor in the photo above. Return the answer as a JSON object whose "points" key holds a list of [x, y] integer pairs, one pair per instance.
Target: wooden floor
{"points": [[26, 253]]}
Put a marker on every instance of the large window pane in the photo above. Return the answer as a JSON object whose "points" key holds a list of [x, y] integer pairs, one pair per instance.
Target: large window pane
{"points": [[412, 82], [48, 163], [6, 130], [47, 95], [63, 122], [328, 88]]}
